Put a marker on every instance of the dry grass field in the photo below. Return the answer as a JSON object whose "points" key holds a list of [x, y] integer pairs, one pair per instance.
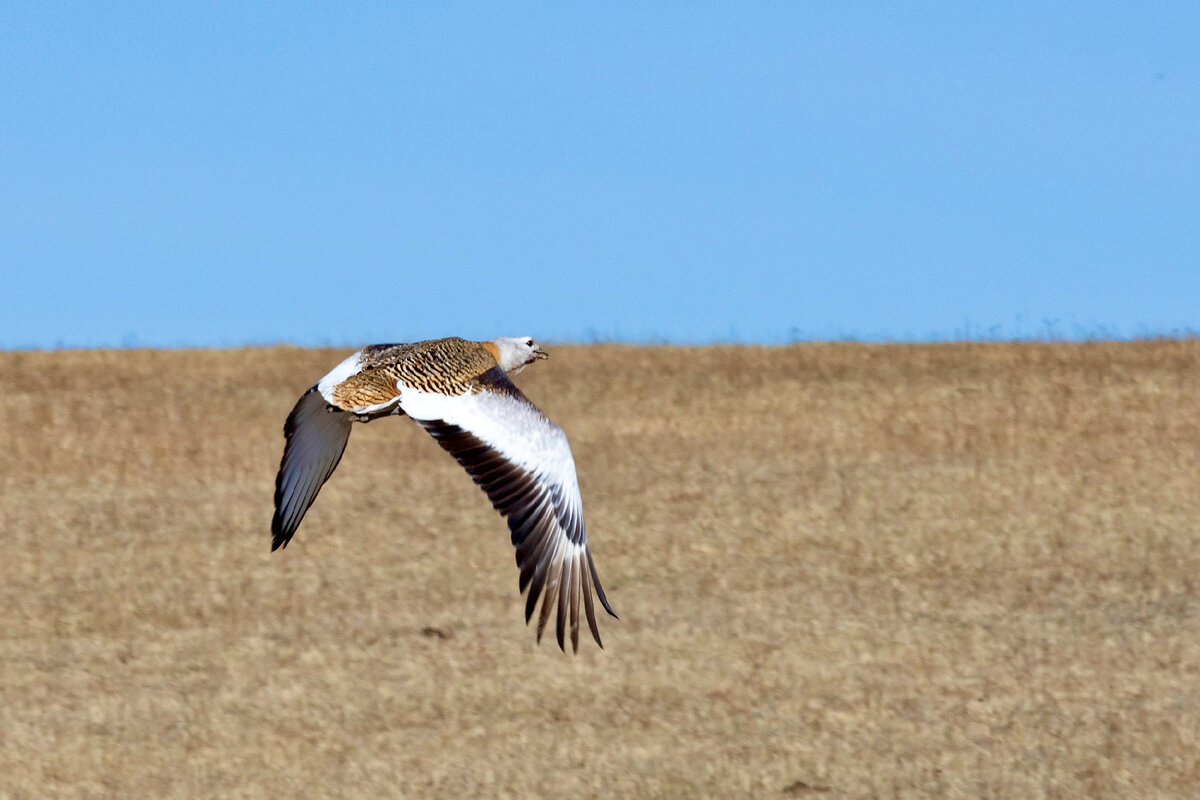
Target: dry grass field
{"points": [[843, 571]]}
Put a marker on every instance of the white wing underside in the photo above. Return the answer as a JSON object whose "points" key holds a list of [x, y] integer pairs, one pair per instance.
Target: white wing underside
{"points": [[511, 425], [524, 463]]}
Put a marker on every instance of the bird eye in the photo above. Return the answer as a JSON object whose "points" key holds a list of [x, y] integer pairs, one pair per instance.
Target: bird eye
{"points": [[529, 343]]}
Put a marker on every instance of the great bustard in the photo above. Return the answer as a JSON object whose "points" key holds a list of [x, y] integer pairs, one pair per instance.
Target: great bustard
{"points": [[459, 392]]}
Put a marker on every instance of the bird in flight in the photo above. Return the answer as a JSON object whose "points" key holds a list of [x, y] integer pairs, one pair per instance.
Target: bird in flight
{"points": [[459, 391]]}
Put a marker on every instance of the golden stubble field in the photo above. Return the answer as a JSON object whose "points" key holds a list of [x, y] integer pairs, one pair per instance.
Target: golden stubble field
{"points": [[964, 571]]}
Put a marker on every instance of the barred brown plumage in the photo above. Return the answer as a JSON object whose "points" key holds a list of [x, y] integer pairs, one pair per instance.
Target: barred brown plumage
{"points": [[459, 391], [445, 366]]}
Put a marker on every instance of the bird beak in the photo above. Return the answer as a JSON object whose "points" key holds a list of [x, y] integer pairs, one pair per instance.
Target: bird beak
{"points": [[538, 352]]}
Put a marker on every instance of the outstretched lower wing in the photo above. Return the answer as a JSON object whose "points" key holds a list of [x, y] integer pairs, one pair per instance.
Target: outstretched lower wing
{"points": [[316, 438], [523, 462]]}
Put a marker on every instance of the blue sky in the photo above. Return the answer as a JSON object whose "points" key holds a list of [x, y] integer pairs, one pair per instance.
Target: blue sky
{"points": [[215, 175]]}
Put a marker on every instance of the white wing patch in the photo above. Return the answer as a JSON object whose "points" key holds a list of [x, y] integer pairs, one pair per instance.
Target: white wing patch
{"points": [[513, 426], [524, 463]]}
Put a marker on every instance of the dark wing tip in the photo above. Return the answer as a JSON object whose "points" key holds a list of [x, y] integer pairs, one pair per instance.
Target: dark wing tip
{"points": [[278, 537], [538, 533], [599, 588], [316, 435]]}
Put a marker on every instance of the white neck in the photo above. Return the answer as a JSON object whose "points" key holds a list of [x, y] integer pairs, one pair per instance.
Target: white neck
{"points": [[511, 357]]}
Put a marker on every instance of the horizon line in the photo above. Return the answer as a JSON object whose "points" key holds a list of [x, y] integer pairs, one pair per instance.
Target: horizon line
{"points": [[1098, 334]]}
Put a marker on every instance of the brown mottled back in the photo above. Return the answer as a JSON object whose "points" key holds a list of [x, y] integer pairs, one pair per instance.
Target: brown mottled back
{"points": [[445, 366]]}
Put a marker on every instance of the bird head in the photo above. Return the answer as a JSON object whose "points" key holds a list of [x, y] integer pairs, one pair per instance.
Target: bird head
{"points": [[517, 352]]}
